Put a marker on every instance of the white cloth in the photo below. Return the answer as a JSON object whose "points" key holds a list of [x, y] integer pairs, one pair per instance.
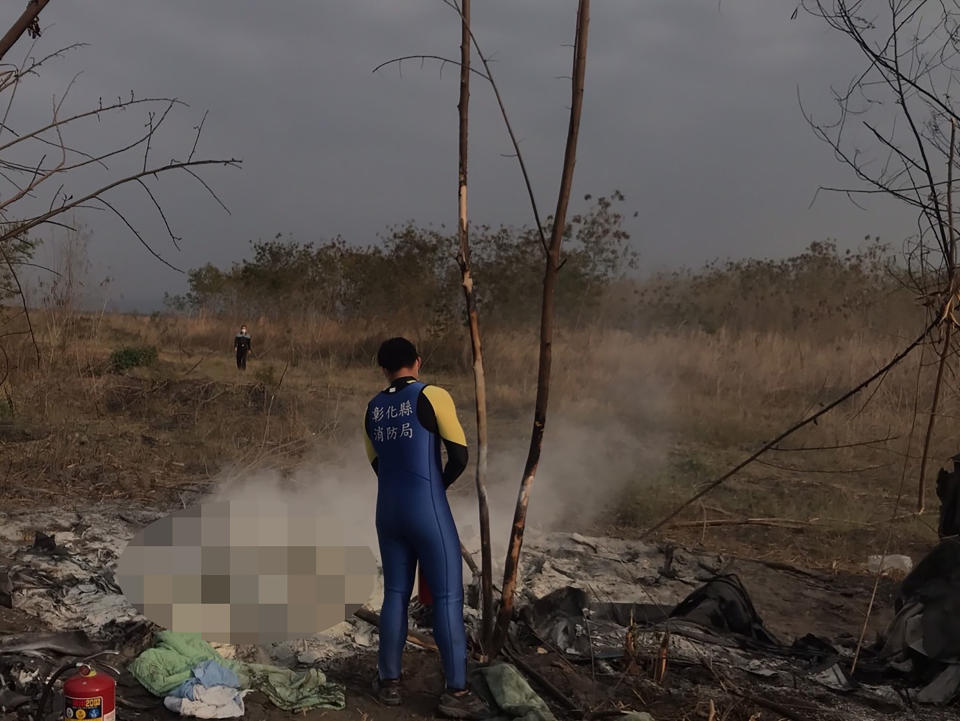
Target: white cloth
{"points": [[209, 702]]}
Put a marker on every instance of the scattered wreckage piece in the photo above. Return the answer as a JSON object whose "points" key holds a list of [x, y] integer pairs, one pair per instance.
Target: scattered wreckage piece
{"points": [[65, 643], [717, 625], [948, 491], [31, 664], [619, 570], [67, 591], [922, 643], [582, 595]]}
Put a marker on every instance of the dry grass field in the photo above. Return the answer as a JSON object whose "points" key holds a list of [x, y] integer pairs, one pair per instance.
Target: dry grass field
{"points": [[651, 398]]}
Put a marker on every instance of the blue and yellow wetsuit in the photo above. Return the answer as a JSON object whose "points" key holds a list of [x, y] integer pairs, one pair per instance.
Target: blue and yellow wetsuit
{"points": [[404, 427]]}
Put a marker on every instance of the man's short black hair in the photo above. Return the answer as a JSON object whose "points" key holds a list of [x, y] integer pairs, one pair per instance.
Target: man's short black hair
{"points": [[397, 353]]}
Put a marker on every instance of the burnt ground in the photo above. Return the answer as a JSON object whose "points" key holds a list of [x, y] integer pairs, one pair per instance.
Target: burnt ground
{"points": [[154, 436], [792, 602], [15, 621]]}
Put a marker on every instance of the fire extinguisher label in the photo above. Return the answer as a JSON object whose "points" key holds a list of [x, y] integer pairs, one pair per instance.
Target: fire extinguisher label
{"points": [[81, 709]]}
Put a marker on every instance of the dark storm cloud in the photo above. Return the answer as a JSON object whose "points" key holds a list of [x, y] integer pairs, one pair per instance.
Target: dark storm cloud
{"points": [[691, 110]]}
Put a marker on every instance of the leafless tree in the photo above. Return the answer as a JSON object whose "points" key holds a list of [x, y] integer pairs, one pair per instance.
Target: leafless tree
{"points": [[895, 129], [473, 317], [512, 564], [494, 638], [44, 177]]}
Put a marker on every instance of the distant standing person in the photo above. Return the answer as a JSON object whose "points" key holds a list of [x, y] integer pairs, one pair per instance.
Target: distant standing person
{"points": [[243, 345]]}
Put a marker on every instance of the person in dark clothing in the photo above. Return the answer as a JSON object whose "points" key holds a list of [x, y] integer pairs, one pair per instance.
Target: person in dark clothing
{"points": [[243, 345], [405, 427]]}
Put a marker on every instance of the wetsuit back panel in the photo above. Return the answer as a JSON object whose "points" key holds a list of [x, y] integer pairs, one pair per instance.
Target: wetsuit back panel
{"points": [[415, 524]]}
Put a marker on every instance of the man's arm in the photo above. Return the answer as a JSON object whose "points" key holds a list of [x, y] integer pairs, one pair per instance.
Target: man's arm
{"points": [[371, 453], [450, 431]]}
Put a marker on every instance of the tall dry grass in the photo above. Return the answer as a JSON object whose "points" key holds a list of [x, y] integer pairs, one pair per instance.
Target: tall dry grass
{"points": [[649, 401]]}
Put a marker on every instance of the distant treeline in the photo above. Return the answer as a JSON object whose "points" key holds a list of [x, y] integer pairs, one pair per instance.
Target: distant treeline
{"points": [[410, 279], [822, 291]]}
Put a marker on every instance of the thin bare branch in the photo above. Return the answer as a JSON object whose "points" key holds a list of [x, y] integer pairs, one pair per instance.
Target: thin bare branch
{"points": [[835, 447], [38, 266], [439, 58], [119, 105], [23, 301], [196, 139], [141, 140], [163, 215], [506, 120], [920, 339], [893, 516], [187, 168], [139, 237], [28, 224]]}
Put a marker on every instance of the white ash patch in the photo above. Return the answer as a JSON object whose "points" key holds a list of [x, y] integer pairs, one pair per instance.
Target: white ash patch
{"points": [[611, 569]]}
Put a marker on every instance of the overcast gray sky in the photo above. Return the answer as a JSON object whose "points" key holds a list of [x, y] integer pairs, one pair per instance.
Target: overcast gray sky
{"points": [[690, 110]]}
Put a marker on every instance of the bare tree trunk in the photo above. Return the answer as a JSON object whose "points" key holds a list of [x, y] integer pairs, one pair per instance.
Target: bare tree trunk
{"points": [[546, 333], [463, 259], [945, 351], [26, 20], [921, 491]]}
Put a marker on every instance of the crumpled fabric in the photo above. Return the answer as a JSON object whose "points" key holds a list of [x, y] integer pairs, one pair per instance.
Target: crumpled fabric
{"points": [[171, 663], [291, 690], [207, 674], [510, 697], [508, 694], [209, 702]]}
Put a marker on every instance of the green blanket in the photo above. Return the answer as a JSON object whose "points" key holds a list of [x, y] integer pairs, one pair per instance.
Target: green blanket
{"points": [[171, 661], [509, 694], [512, 699]]}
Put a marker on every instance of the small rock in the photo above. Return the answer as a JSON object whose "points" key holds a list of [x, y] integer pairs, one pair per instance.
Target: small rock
{"points": [[43, 542], [283, 654], [64, 538], [890, 563], [577, 538]]}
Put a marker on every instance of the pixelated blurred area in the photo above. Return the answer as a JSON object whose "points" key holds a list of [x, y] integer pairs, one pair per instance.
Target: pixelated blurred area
{"points": [[248, 573]]}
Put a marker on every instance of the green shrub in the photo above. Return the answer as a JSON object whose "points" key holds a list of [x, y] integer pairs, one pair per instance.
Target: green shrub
{"points": [[132, 357]]}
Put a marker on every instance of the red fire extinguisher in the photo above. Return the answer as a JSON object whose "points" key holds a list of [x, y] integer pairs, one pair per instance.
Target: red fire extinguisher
{"points": [[423, 590], [89, 695]]}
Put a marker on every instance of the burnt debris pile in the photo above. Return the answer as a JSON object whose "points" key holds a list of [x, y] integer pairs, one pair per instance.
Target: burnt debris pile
{"points": [[617, 610]]}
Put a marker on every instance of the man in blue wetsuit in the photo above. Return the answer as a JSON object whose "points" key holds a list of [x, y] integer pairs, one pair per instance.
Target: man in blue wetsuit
{"points": [[404, 428]]}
